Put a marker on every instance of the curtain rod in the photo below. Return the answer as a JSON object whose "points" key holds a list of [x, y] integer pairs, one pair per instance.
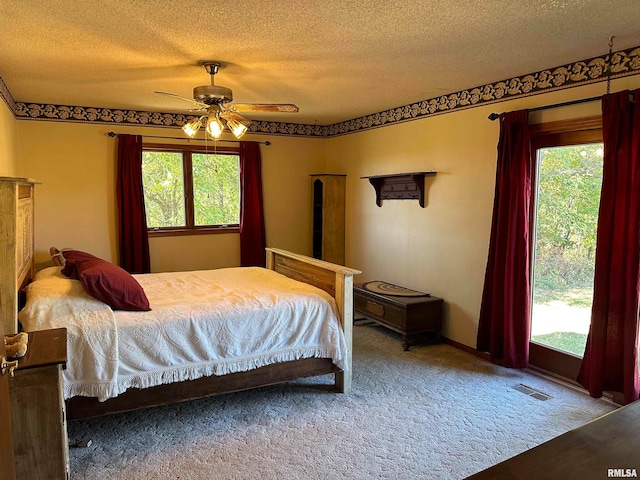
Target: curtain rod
{"points": [[495, 116], [114, 134]]}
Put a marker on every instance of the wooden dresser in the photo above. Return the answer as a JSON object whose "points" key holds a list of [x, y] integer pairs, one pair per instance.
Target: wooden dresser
{"points": [[38, 417], [606, 447], [411, 316], [16, 236]]}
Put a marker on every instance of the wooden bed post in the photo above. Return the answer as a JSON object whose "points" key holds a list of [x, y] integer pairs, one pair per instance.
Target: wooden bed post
{"points": [[334, 279], [344, 300]]}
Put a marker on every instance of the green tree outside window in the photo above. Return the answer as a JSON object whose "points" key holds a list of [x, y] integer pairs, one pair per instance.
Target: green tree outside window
{"points": [[215, 186]]}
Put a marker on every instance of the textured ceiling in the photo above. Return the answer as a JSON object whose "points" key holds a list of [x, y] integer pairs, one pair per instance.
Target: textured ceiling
{"points": [[335, 59]]}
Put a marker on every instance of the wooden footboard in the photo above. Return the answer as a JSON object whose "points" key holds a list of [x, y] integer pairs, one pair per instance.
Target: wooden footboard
{"points": [[334, 279]]}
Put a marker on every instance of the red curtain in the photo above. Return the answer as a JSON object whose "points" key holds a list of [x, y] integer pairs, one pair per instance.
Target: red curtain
{"points": [[610, 359], [503, 328], [133, 238], [252, 236]]}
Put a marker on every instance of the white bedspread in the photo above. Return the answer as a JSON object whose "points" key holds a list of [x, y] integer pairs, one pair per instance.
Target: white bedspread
{"points": [[202, 323]]}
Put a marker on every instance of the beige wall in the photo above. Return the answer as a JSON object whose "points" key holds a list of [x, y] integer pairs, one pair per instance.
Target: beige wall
{"points": [[7, 142], [286, 166], [442, 248], [75, 204]]}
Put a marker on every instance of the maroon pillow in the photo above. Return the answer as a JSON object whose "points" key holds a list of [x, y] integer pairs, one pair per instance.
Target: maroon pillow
{"points": [[71, 258], [111, 284]]}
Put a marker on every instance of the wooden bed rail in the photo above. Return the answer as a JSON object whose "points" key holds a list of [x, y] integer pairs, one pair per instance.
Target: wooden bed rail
{"points": [[336, 280]]}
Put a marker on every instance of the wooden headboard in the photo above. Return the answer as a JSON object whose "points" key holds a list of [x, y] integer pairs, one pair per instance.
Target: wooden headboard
{"points": [[17, 263]]}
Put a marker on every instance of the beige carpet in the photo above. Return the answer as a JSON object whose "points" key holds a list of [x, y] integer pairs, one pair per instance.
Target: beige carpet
{"points": [[434, 412]]}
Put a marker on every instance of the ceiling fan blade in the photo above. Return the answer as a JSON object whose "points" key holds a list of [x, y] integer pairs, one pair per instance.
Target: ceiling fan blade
{"points": [[200, 104], [263, 107]]}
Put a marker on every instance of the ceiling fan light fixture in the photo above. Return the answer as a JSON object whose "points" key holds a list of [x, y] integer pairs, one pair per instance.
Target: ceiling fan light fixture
{"points": [[236, 123], [191, 128], [237, 128], [214, 126], [215, 102]]}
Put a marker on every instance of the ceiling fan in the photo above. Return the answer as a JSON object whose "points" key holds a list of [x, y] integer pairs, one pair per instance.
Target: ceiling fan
{"points": [[214, 103]]}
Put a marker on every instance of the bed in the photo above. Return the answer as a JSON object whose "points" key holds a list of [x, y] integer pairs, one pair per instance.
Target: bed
{"points": [[244, 341]]}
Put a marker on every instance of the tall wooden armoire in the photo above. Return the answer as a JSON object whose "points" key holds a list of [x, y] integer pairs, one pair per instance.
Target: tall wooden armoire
{"points": [[329, 217]]}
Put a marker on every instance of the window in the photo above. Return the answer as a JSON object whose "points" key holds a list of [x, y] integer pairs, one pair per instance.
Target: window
{"points": [[190, 190], [569, 185], [569, 178]]}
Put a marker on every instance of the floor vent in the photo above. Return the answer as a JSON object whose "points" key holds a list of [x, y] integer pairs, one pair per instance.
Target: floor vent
{"points": [[532, 392]]}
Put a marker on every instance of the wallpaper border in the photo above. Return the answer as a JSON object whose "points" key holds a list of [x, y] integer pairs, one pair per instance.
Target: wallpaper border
{"points": [[597, 69], [7, 97]]}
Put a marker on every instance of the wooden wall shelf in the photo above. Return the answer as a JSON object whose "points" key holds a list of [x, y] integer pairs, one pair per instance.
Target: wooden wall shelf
{"points": [[400, 186]]}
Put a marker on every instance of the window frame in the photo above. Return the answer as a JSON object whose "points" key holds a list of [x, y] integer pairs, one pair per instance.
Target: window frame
{"points": [[187, 172], [557, 134]]}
